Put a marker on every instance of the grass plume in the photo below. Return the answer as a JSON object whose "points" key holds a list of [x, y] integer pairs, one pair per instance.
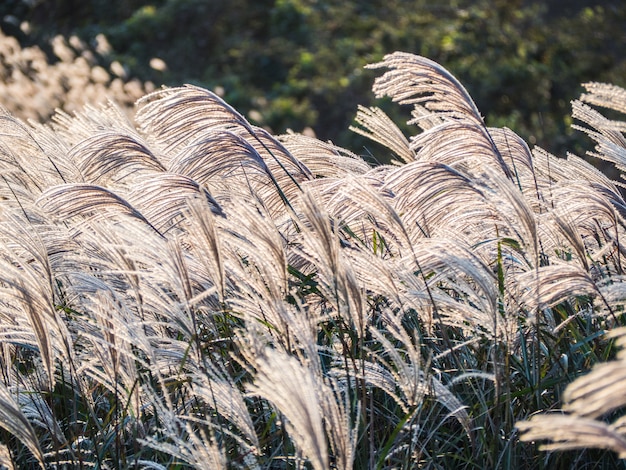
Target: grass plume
{"points": [[195, 292]]}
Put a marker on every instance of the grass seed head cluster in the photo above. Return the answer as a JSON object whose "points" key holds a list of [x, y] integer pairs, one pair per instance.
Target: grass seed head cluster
{"points": [[190, 291]]}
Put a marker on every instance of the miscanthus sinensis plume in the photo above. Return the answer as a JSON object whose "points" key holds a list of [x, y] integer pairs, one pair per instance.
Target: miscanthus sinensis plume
{"points": [[189, 290]]}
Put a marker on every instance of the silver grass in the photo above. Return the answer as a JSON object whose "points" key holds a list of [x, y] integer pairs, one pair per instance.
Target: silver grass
{"points": [[379, 275], [256, 249], [178, 438], [559, 233], [363, 210], [292, 388], [26, 282], [284, 172], [175, 257], [36, 151], [404, 364], [458, 143], [461, 289], [415, 80], [82, 125], [5, 458], [602, 128], [320, 246], [556, 283], [14, 421], [221, 394], [38, 412], [80, 199], [292, 326], [572, 432], [206, 245], [113, 156], [219, 154], [593, 211], [277, 157], [580, 170], [599, 392], [612, 296], [516, 153], [449, 204], [342, 432], [588, 400], [323, 159], [420, 81], [605, 95], [377, 126], [512, 209], [16, 146], [173, 117], [610, 141], [109, 360], [164, 198], [425, 119]]}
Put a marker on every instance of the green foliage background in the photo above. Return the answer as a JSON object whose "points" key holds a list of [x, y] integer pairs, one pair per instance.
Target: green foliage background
{"points": [[300, 62]]}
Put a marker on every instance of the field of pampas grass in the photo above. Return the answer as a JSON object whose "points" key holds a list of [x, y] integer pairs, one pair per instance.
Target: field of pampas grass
{"points": [[190, 291]]}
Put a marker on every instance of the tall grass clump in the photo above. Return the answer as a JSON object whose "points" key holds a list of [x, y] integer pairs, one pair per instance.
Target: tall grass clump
{"points": [[190, 291]]}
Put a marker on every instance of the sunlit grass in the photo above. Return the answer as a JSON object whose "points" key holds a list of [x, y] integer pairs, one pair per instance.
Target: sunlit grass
{"points": [[195, 292]]}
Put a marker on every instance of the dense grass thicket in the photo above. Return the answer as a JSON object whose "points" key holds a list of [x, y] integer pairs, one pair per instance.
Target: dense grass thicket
{"points": [[190, 291]]}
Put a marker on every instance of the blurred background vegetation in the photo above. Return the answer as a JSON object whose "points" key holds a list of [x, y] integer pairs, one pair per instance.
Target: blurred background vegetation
{"points": [[299, 63]]}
